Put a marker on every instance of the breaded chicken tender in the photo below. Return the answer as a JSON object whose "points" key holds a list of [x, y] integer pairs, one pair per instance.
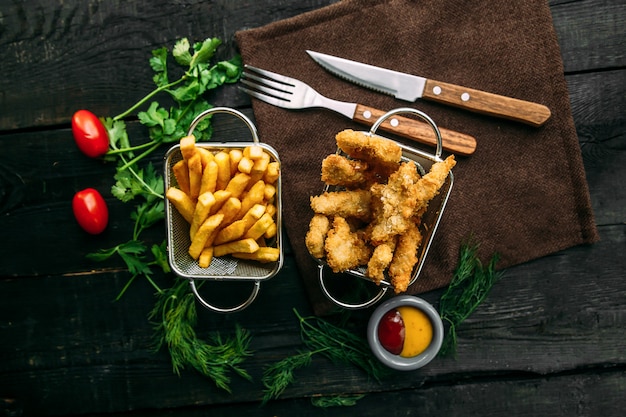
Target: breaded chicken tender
{"points": [[429, 185], [394, 204], [315, 237], [344, 248], [380, 260], [379, 152], [354, 203], [404, 258], [339, 170]]}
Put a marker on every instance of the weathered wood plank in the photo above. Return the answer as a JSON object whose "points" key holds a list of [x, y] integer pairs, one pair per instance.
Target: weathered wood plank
{"points": [[89, 43], [527, 325], [104, 47]]}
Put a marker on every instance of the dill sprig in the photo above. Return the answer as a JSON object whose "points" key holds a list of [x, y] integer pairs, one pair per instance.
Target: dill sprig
{"points": [[321, 337], [174, 315], [339, 345], [470, 285]]}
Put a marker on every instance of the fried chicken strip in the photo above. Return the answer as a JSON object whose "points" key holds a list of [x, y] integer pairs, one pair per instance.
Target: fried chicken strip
{"points": [[404, 258], [339, 170], [394, 204], [345, 249], [380, 260], [376, 151], [316, 235], [429, 185], [354, 203]]}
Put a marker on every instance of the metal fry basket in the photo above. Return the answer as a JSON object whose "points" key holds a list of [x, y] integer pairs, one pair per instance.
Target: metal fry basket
{"points": [[430, 219], [226, 268]]}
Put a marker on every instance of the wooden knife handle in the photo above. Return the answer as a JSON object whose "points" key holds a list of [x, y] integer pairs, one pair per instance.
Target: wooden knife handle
{"points": [[478, 101], [455, 142]]}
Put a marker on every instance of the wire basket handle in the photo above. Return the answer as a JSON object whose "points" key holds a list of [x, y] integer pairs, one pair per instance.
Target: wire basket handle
{"points": [[376, 298], [209, 112], [419, 113]]}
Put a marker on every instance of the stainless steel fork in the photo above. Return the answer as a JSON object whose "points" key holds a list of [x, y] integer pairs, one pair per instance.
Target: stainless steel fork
{"points": [[290, 93]]}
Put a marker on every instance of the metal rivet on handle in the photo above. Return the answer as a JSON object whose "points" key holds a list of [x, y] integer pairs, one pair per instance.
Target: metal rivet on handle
{"points": [[367, 114], [437, 90], [394, 122], [465, 96]]}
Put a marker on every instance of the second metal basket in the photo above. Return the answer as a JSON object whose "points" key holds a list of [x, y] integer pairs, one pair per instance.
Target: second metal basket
{"points": [[430, 219]]}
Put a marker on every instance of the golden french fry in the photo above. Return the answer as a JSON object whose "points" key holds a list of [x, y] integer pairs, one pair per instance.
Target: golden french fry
{"points": [[258, 229], [271, 210], [223, 171], [209, 177], [271, 231], [205, 258], [253, 152], [259, 167], [233, 231], [230, 209], [205, 156], [235, 157], [181, 202], [181, 172], [269, 192], [238, 184], [188, 147], [243, 246], [253, 196], [263, 255], [220, 198], [253, 215], [200, 214], [195, 175], [272, 172], [204, 234], [245, 165]]}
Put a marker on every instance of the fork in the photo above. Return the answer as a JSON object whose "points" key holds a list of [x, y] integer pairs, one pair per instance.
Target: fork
{"points": [[290, 93]]}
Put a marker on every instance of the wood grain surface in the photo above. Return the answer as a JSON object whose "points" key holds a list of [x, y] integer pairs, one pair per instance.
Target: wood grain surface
{"points": [[549, 340]]}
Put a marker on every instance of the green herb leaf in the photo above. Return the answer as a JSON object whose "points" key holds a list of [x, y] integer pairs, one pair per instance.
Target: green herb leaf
{"points": [[174, 317], [470, 285], [181, 52]]}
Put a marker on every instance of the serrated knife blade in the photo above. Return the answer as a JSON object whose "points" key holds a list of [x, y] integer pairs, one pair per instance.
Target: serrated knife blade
{"points": [[410, 87]]}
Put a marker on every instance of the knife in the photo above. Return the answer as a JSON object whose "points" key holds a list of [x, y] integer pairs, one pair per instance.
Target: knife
{"points": [[411, 87]]}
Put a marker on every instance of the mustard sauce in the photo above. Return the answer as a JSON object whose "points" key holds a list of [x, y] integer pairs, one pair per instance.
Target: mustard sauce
{"points": [[418, 331]]}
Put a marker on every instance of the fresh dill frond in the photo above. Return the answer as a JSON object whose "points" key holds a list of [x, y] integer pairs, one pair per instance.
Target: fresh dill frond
{"points": [[279, 376], [470, 285], [339, 345], [174, 316], [321, 337]]}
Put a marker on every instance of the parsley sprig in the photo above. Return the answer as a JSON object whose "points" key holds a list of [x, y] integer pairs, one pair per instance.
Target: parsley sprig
{"points": [[143, 184], [174, 314]]}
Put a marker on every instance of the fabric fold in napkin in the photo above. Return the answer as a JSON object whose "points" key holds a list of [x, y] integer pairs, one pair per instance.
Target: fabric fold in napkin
{"points": [[522, 194]]}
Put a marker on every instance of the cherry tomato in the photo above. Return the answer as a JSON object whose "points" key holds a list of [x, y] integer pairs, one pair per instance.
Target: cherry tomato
{"points": [[90, 134], [391, 331], [90, 210]]}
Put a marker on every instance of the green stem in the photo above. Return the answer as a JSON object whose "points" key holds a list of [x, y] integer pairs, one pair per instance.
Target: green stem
{"points": [[139, 157], [148, 97], [146, 186], [129, 149]]}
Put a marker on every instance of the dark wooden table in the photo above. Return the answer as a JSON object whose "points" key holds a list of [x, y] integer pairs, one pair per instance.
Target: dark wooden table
{"points": [[549, 340]]}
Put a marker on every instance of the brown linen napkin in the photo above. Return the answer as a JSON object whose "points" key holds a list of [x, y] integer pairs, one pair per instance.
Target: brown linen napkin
{"points": [[522, 194]]}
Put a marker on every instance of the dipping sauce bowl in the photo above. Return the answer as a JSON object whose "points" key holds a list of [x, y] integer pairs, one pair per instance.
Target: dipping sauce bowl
{"points": [[405, 333]]}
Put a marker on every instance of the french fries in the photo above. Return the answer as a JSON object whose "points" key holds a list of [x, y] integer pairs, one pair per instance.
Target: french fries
{"points": [[228, 197]]}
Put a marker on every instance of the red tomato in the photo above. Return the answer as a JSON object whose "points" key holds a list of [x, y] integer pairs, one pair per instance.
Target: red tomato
{"points": [[90, 134], [90, 210], [391, 331]]}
